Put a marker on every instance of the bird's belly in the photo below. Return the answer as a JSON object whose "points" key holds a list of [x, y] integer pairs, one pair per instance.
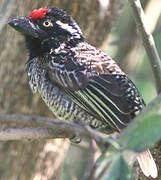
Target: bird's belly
{"points": [[64, 108], [58, 103]]}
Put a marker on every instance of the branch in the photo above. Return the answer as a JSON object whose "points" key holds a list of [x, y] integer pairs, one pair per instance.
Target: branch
{"points": [[148, 41], [50, 127], [47, 128], [32, 133]]}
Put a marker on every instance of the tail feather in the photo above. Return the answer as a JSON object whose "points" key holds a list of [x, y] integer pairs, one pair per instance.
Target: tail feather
{"points": [[147, 164]]}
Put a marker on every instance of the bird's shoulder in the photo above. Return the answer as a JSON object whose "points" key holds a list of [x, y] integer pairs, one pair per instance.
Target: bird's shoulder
{"points": [[75, 67], [95, 60]]}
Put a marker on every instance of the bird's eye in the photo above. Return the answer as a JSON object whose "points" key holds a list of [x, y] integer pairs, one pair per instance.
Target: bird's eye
{"points": [[47, 23]]}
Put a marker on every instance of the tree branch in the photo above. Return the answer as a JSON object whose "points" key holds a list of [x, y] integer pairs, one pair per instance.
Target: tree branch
{"points": [[148, 41], [47, 128], [32, 133], [50, 127]]}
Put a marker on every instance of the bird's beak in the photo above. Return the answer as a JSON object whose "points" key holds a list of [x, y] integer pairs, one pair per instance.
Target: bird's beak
{"points": [[24, 25]]}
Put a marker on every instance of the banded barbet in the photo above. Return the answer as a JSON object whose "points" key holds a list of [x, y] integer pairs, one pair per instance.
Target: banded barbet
{"points": [[78, 82]]}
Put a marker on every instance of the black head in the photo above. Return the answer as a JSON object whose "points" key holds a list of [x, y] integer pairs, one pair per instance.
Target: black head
{"points": [[47, 28]]}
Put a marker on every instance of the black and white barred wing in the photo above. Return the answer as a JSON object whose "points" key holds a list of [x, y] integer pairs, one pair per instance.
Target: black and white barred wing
{"points": [[67, 72], [104, 98], [99, 87]]}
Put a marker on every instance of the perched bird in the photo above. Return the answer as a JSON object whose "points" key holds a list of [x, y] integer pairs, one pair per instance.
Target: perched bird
{"points": [[78, 82]]}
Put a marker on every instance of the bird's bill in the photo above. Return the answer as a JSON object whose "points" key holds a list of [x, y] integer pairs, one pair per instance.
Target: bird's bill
{"points": [[24, 26]]}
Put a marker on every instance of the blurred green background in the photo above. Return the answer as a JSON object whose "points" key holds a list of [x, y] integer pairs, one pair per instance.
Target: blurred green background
{"points": [[125, 46]]}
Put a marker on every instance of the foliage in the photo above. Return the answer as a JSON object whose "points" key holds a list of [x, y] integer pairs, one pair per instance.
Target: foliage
{"points": [[144, 131], [118, 170], [140, 135]]}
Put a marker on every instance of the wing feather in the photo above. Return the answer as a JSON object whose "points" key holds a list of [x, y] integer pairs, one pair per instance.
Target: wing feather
{"points": [[96, 84], [98, 101]]}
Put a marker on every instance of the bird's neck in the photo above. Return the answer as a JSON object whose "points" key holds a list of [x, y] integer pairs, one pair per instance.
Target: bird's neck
{"points": [[38, 47]]}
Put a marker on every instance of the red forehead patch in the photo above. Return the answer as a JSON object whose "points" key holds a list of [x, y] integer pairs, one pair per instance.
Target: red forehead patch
{"points": [[38, 13]]}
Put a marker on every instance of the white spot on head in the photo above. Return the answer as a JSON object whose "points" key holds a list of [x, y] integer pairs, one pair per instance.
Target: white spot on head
{"points": [[66, 27], [73, 31]]}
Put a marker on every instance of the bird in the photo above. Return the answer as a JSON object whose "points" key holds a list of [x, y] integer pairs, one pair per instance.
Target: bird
{"points": [[78, 82]]}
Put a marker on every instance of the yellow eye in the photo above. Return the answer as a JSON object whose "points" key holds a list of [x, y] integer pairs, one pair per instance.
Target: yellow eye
{"points": [[47, 23]]}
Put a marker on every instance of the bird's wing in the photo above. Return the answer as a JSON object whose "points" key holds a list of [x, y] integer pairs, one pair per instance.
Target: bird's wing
{"points": [[66, 71], [98, 86], [100, 98]]}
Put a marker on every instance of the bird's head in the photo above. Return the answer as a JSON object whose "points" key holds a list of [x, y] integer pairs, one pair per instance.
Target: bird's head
{"points": [[47, 28]]}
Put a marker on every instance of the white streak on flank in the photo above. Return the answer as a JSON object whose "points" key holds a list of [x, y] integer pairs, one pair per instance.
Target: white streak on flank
{"points": [[67, 27]]}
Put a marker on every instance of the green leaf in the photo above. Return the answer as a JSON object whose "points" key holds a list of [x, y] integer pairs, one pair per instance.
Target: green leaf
{"points": [[103, 162], [142, 134], [118, 170]]}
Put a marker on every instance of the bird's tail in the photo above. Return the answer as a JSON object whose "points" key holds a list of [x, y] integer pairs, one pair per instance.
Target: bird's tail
{"points": [[147, 164]]}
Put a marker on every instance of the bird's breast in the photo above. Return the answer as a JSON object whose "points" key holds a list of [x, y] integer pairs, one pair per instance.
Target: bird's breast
{"points": [[55, 97]]}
